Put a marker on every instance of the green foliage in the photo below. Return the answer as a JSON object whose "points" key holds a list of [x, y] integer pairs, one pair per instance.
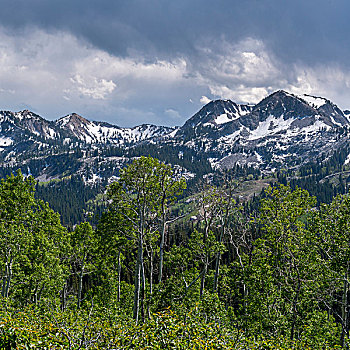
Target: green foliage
{"points": [[31, 241], [149, 277]]}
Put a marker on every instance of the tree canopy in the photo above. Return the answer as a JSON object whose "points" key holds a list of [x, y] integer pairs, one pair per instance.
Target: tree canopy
{"points": [[162, 271]]}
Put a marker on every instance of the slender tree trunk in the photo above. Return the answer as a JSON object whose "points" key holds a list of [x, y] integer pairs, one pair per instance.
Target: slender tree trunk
{"points": [[35, 295], [161, 247], [64, 297], [3, 288], [139, 272], [80, 287], [137, 291], [143, 291], [119, 276], [138, 277], [217, 263], [9, 278], [150, 285], [6, 274], [344, 309], [205, 270], [206, 261]]}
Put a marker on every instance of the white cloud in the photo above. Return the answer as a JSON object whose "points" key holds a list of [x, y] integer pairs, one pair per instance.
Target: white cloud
{"points": [[98, 89], [328, 81], [132, 75], [57, 73], [205, 100], [247, 72], [243, 72]]}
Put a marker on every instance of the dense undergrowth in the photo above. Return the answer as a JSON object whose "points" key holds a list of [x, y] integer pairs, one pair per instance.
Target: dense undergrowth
{"points": [[48, 328]]}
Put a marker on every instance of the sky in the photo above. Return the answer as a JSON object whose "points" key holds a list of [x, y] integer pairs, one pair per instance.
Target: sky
{"points": [[159, 61]]}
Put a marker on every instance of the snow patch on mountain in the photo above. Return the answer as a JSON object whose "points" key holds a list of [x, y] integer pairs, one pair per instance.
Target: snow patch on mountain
{"points": [[347, 160], [236, 112], [334, 121], [98, 132], [93, 179], [225, 142], [5, 141], [222, 119], [319, 124], [270, 126], [314, 101], [173, 133]]}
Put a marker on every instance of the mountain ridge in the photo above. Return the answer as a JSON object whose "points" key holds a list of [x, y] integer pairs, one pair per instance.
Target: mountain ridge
{"points": [[217, 113], [281, 130]]}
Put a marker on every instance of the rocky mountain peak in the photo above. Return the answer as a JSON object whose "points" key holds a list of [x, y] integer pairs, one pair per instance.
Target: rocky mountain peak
{"points": [[72, 119], [282, 103], [218, 112], [76, 126], [76, 117], [26, 114], [327, 108]]}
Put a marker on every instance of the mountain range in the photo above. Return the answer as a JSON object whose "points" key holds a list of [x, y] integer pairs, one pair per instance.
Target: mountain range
{"points": [[280, 131], [303, 140]]}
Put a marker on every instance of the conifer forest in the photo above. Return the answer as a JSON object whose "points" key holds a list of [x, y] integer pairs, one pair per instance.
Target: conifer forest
{"points": [[165, 267]]}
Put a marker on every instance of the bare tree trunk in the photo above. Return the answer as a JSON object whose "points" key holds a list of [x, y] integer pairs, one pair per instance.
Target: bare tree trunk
{"points": [[161, 247], [35, 295], [137, 286], [143, 291], [3, 288], [150, 285], [9, 278], [6, 275], [344, 310], [217, 263], [140, 272], [119, 276], [205, 270], [80, 287], [206, 261], [64, 297]]}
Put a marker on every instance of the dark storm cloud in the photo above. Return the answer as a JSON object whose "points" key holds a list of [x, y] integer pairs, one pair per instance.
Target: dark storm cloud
{"points": [[310, 31], [157, 61]]}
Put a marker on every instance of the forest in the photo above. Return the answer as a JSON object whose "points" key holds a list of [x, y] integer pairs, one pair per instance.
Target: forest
{"points": [[161, 270]]}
